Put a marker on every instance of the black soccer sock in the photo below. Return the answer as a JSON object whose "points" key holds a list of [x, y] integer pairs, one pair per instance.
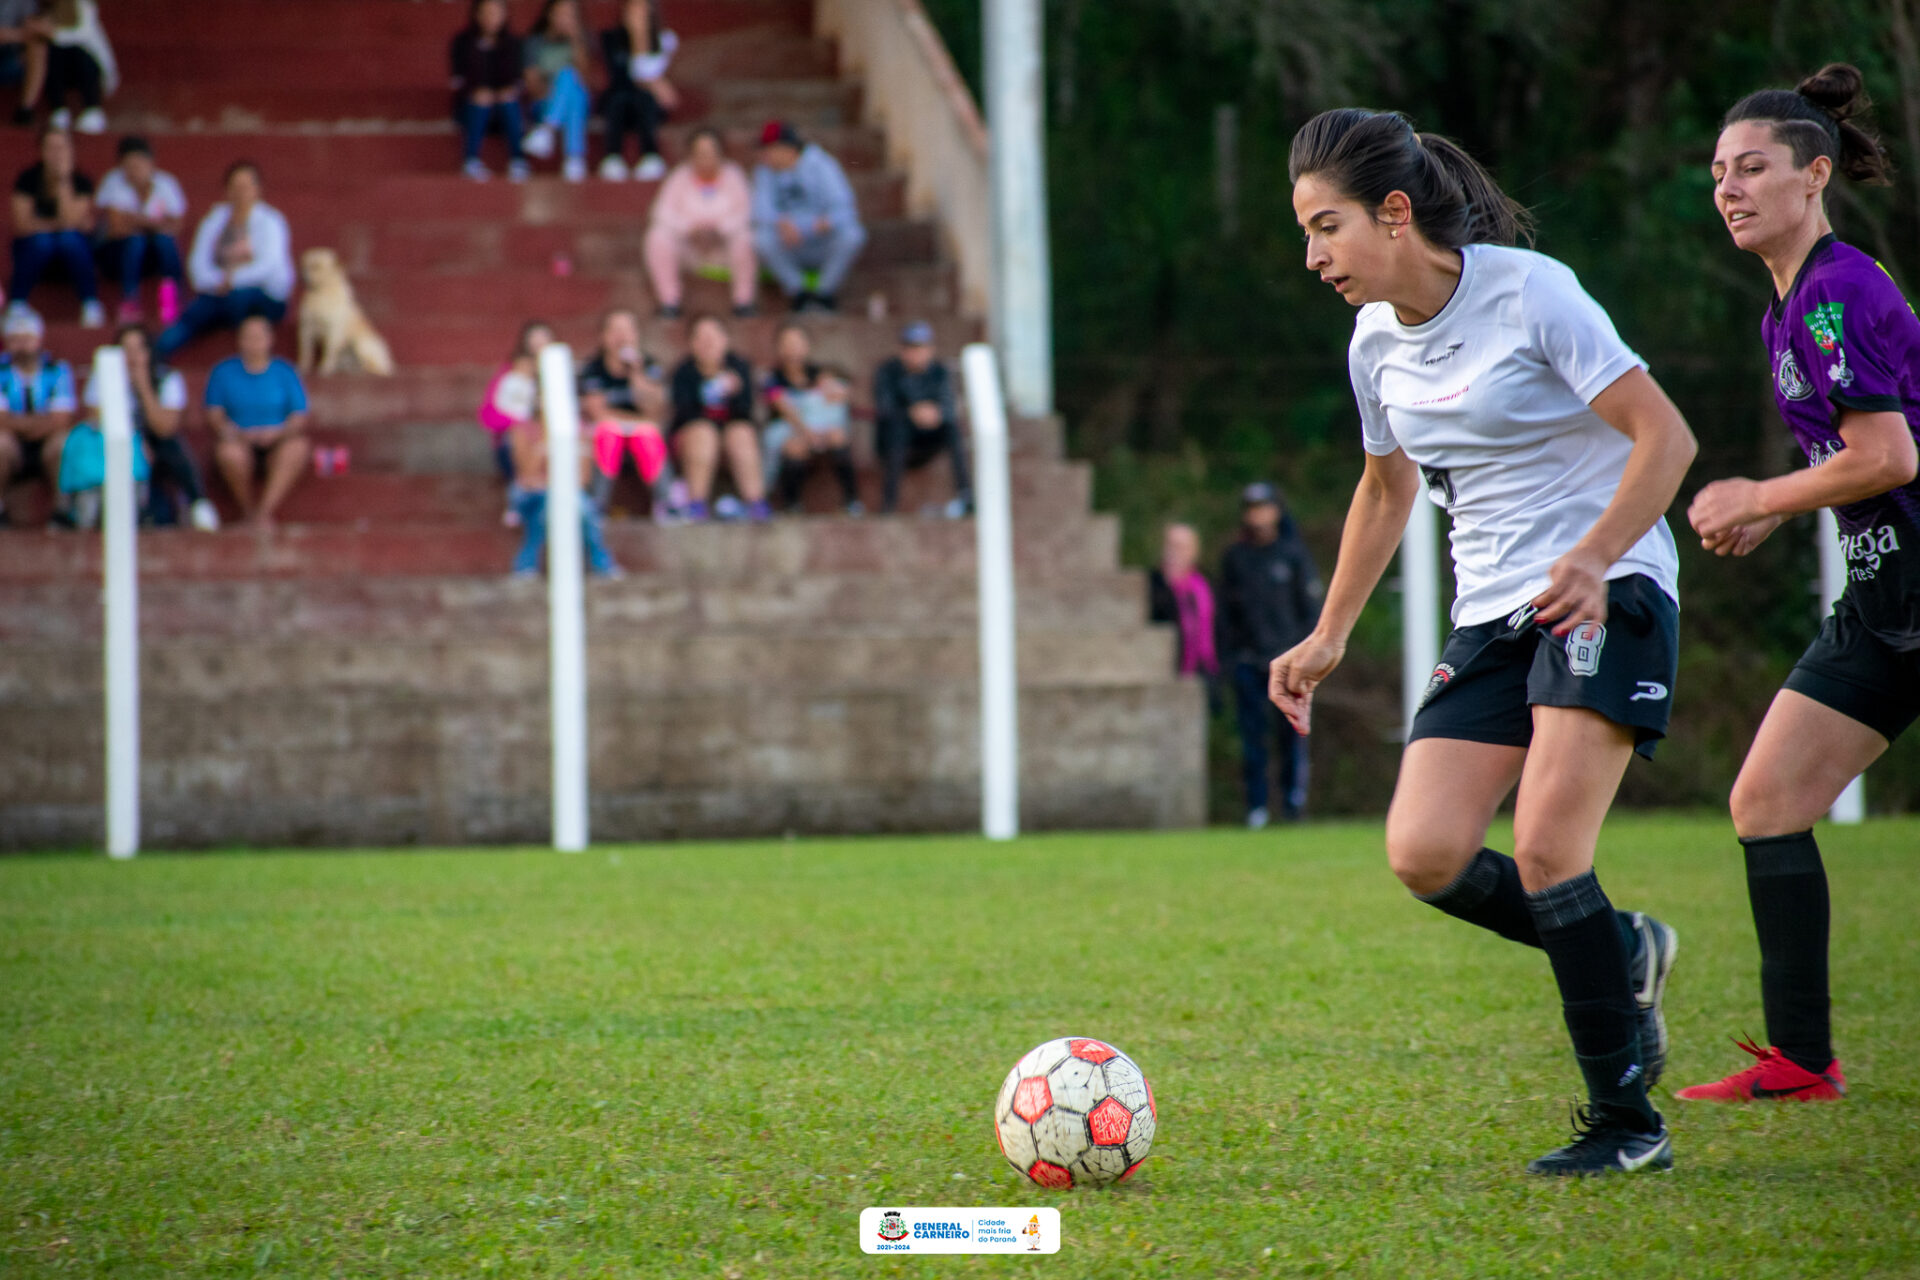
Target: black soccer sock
{"points": [[1580, 932], [1488, 893], [1787, 884]]}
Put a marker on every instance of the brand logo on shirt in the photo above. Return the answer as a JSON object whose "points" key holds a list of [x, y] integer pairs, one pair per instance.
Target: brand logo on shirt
{"points": [[1648, 691], [1445, 399], [1442, 674], [1825, 323], [1446, 355], [1864, 551], [1792, 383], [1819, 453]]}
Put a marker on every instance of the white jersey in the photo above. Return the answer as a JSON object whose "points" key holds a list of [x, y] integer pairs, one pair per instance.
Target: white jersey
{"points": [[1490, 398]]}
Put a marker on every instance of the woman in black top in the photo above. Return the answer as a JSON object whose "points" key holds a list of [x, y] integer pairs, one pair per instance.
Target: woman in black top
{"points": [[486, 66], [639, 95], [712, 392], [52, 221], [812, 404]]}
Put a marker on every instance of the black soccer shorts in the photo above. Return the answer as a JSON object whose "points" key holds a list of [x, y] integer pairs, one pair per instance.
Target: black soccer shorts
{"points": [[1493, 673], [1855, 672]]}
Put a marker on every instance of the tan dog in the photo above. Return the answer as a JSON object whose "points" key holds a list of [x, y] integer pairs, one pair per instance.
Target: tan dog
{"points": [[332, 326]]}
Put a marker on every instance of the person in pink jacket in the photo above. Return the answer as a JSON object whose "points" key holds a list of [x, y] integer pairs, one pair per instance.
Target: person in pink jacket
{"points": [[702, 219]]}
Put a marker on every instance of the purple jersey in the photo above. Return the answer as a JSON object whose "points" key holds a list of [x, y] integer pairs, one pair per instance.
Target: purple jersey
{"points": [[1844, 339]]}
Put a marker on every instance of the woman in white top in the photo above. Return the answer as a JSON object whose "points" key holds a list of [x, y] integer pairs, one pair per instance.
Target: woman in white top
{"points": [[241, 264], [1487, 376]]}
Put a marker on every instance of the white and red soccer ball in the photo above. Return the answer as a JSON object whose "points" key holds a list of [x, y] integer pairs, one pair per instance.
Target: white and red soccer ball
{"points": [[1075, 1112]]}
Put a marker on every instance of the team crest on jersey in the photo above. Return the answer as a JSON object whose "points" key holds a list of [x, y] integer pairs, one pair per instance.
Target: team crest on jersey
{"points": [[1442, 674], [1584, 644], [1793, 384]]}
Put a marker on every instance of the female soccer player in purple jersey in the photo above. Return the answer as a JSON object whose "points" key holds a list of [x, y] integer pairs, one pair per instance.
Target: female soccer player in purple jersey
{"points": [[1844, 348], [1487, 377]]}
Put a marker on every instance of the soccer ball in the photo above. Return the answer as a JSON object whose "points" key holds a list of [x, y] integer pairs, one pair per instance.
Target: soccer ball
{"points": [[1075, 1112]]}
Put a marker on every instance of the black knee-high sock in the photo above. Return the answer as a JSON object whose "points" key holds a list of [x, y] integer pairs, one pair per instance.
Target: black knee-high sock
{"points": [[842, 461], [1787, 884], [1581, 935], [791, 480], [1488, 893]]}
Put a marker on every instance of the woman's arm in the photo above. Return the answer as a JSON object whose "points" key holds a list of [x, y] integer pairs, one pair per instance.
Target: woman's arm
{"points": [[1375, 521], [1734, 516], [1663, 448]]}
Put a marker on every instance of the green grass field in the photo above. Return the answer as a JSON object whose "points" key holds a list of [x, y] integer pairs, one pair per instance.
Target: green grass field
{"points": [[704, 1060]]}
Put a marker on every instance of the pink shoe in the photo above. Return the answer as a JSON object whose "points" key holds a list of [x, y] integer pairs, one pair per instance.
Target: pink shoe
{"points": [[169, 302]]}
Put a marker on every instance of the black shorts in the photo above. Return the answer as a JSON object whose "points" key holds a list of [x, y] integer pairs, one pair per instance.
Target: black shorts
{"points": [[1492, 674], [33, 462], [1856, 673]]}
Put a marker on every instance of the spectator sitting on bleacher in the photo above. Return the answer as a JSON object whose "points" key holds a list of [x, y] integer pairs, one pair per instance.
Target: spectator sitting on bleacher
{"points": [[487, 70], [556, 63], [141, 208], [258, 411], [622, 403], [53, 223], [513, 397], [702, 220], [79, 61], [37, 394], [24, 33], [159, 403], [712, 412], [804, 218], [639, 96], [916, 418], [241, 264], [809, 420]]}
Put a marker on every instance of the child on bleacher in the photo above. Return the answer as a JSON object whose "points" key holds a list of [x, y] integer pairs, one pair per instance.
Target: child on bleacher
{"points": [[511, 398], [529, 441]]}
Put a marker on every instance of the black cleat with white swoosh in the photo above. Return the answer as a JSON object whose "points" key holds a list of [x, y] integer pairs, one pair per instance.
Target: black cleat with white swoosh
{"points": [[1601, 1146]]}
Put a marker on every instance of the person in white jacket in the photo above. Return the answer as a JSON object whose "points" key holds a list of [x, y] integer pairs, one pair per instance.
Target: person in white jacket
{"points": [[241, 264]]}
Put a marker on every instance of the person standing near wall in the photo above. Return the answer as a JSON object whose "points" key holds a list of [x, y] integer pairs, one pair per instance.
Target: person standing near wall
{"points": [[1269, 601]]}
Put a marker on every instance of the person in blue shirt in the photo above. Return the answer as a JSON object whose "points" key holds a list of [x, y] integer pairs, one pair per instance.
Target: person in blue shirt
{"points": [[37, 396], [258, 411], [804, 218]]}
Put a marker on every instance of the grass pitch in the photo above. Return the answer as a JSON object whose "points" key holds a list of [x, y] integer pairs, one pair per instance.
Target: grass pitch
{"points": [[705, 1060]]}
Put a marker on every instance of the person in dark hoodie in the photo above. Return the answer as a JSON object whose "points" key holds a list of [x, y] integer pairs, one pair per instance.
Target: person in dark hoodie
{"points": [[1269, 600], [485, 62], [916, 418]]}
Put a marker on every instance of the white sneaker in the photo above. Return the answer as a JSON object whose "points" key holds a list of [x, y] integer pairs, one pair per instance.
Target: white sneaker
{"points": [[613, 169], [956, 508], [61, 119], [518, 171], [539, 141], [203, 517], [92, 314], [476, 170], [1257, 819], [574, 169], [92, 120], [650, 169]]}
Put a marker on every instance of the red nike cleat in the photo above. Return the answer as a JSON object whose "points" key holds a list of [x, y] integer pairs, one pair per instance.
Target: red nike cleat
{"points": [[1773, 1078]]}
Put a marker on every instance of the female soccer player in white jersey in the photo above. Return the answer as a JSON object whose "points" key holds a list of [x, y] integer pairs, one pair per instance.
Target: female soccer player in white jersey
{"points": [[1486, 375], [1844, 350]]}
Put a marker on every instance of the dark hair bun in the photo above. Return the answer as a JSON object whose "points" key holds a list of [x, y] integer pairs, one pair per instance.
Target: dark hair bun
{"points": [[1837, 89]]}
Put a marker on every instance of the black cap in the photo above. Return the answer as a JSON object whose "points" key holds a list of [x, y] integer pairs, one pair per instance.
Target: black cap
{"points": [[1259, 494]]}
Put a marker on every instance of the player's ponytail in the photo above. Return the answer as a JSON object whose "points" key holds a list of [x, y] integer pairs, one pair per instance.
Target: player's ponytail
{"points": [[1818, 118], [1367, 155]]}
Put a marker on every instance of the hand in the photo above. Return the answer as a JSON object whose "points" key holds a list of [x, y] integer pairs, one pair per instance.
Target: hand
{"points": [[1723, 505], [1743, 538], [925, 414], [664, 93], [1296, 673], [1576, 592], [821, 226], [482, 97], [789, 233]]}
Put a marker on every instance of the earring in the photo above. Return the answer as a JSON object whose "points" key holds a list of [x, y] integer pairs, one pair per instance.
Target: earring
{"points": [[1393, 235]]}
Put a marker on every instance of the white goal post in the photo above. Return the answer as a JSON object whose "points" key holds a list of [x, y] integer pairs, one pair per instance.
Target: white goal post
{"points": [[566, 609], [993, 532], [119, 525]]}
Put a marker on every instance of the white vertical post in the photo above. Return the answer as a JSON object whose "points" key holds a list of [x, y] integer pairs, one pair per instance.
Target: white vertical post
{"points": [[1851, 806], [1419, 605], [118, 522], [1022, 301], [993, 526], [566, 624]]}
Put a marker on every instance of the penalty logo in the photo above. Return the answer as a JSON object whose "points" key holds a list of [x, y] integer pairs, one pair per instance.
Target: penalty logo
{"points": [[1436, 682], [1584, 643]]}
